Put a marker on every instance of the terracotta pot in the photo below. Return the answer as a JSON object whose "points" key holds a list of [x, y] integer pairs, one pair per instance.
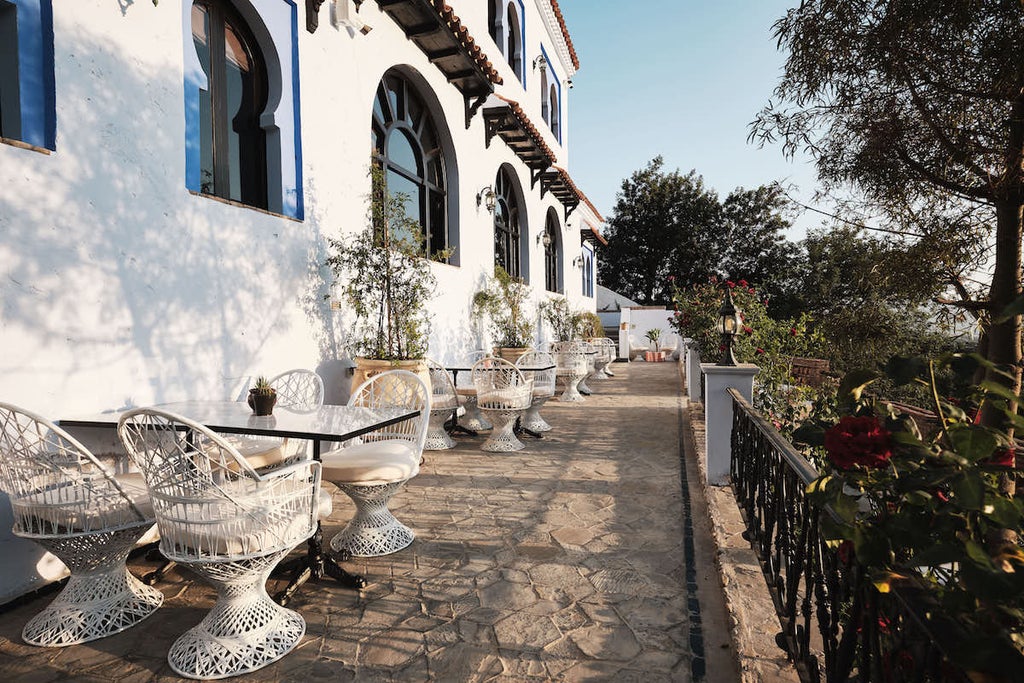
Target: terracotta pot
{"points": [[654, 356], [262, 404], [370, 367], [510, 353]]}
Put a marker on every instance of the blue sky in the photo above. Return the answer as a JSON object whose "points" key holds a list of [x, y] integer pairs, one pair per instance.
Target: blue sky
{"points": [[681, 78]]}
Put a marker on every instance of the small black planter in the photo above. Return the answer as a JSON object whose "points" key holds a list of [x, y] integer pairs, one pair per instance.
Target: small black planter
{"points": [[262, 404]]}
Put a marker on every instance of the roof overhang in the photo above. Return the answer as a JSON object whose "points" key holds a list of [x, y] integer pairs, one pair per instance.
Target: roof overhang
{"points": [[435, 28], [506, 119]]}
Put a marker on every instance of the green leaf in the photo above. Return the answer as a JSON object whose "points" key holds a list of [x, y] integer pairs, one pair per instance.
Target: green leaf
{"points": [[935, 555], [973, 442], [1015, 308], [990, 387], [855, 381], [1004, 512], [810, 433], [977, 554], [969, 490]]}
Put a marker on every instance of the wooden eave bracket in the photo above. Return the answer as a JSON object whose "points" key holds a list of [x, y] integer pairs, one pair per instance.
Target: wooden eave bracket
{"points": [[473, 103], [313, 14]]}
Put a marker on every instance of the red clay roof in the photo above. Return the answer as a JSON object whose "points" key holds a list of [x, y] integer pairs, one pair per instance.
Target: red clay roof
{"points": [[461, 34], [565, 34], [528, 126]]}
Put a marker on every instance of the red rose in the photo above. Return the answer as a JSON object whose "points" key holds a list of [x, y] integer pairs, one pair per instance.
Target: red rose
{"points": [[732, 285], [671, 278], [751, 290], [858, 441], [1003, 457], [760, 352], [941, 495], [743, 283], [792, 332], [748, 330]]}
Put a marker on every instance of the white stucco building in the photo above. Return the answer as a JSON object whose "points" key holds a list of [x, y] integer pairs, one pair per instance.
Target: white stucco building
{"points": [[170, 173]]}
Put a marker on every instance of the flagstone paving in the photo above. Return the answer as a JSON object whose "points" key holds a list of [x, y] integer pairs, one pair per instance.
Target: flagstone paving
{"points": [[575, 559]]}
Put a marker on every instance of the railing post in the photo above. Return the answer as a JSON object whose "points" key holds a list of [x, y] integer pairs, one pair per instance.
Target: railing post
{"points": [[718, 413], [692, 369]]}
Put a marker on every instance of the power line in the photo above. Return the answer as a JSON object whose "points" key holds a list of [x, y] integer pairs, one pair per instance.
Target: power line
{"points": [[854, 223]]}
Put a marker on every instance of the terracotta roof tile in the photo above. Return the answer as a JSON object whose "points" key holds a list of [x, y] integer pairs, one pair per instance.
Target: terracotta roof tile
{"points": [[462, 35], [528, 126], [565, 33]]}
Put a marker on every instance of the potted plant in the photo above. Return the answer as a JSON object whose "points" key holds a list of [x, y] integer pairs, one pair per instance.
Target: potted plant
{"points": [[387, 282], [503, 301], [653, 335], [262, 397], [565, 323]]}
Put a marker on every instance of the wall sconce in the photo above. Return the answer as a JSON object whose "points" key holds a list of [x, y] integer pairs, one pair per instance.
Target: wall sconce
{"points": [[488, 198], [544, 239], [578, 261], [540, 63]]}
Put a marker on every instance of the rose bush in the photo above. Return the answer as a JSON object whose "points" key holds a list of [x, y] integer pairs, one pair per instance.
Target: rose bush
{"points": [[858, 442]]}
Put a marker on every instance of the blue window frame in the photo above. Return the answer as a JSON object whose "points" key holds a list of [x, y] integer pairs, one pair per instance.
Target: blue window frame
{"points": [[271, 28], [27, 97]]}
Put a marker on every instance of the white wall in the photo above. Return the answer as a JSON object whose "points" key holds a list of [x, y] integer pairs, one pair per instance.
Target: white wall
{"points": [[638, 321]]}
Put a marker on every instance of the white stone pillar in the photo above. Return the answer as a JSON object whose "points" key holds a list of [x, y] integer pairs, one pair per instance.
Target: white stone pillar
{"points": [[718, 413], [692, 370]]}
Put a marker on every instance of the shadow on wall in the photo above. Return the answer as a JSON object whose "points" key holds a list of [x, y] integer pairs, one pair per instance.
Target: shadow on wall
{"points": [[112, 269]]}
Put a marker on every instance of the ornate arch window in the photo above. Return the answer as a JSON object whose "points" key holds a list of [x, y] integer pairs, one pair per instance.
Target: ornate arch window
{"points": [[552, 253], [505, 24], [242, 131], [407, 148], [507, 229], [233, 145]]}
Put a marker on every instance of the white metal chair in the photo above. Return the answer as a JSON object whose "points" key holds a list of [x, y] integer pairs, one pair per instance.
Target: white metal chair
{"points": [[373, 471], [503, 395], [591, 355], [444, 403], [543, 388], [464, 387], [229, 524], [65, 500], [573, 365], [606, 353], [297, 390], [636, 348]]}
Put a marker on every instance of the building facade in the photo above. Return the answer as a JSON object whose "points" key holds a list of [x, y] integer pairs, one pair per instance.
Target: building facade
{"points": [[172, 172]]}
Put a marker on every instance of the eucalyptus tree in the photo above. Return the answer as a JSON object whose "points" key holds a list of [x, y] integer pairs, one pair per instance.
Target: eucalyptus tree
{"points": [[919, 106]]}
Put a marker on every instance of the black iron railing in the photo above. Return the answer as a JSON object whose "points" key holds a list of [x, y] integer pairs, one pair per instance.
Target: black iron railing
{"points": [[835, 625]]}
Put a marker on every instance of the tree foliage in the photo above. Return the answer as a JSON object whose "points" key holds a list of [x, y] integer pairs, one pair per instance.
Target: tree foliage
{"points": [[664, 223], [920, 107]]}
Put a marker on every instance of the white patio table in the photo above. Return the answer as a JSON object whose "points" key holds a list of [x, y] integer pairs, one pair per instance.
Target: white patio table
{"points": [[324, 423]]}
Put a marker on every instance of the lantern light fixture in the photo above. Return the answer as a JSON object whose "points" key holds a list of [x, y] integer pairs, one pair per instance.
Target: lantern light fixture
{"points": [[728, 325]]}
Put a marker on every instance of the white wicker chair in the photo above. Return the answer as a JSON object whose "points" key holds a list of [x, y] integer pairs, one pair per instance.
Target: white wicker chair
{"points": [[573, 365], [229, 524], [444, 402], [373, 471], [607, 351], [605, 355], [65, 500], [464, 387], [503, 395], [543, 388], [591, 356]]}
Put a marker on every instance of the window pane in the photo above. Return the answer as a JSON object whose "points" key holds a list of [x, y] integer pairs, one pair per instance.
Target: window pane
{"points": [[201, 39], [413, 203], [401, 152], [436, 226]]}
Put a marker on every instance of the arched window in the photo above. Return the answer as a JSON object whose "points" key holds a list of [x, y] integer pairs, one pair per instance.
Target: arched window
{"points": [[27, 96], [552, 253], [506, 225], [505, 25], [588, 272], [554, 112], [545, 109], [232, 143], [407, 148], [514, 50]]}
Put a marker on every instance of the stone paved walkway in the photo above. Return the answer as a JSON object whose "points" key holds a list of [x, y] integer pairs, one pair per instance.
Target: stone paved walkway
{"points": [[574, 559]]}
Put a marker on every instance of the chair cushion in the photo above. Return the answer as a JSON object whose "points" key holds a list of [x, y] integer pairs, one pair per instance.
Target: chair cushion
{"points": [[465, 391], [212, 527], [378, 462], [72, 508], [442, 402], [258, 452]]}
